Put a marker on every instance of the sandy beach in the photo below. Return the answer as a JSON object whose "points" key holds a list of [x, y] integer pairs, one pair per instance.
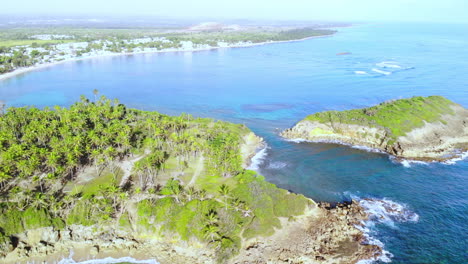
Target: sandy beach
{"points": [[36, 67]]}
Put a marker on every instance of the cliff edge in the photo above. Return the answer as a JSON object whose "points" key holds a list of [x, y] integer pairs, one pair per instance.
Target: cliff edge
{"points": [[419, 128]]}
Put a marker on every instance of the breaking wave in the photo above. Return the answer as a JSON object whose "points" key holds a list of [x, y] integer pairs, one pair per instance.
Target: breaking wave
{"points": [[382, 211], [258, 159], [360, 72], [388, 64], [408, 163], [360, 147], [381, 72], [454, 160]]}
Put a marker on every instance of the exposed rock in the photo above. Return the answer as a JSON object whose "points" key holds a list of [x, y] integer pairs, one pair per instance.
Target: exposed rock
{"points": [[324, 234], [440, 140]]}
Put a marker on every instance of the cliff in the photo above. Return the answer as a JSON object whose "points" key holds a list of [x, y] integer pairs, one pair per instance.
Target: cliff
{"points": [[99, 179], [419, 128]]}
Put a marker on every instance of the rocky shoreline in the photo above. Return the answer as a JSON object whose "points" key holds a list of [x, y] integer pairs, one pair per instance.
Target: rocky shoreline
{"points": [[441, 140], [324, 234]]}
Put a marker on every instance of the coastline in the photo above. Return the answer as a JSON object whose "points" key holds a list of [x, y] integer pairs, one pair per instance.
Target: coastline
{"points": [[23, 70], [324, 234]]}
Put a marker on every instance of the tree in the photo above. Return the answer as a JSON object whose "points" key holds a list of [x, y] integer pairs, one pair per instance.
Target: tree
{"points": [[211, 232], [2, 107], [224, 191], [95, 92]]}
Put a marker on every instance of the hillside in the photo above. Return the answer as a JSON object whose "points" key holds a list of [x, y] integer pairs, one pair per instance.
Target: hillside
{"points": [[105, 180], [423, 128]]}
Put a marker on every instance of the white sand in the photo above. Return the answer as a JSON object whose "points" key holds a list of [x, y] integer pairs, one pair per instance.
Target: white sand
{"points": [[20, 71]]}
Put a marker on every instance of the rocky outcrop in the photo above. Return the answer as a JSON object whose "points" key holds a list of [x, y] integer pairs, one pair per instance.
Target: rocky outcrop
{"points": [[325, 235], [251, 145], [86, 242], [440, 140]]}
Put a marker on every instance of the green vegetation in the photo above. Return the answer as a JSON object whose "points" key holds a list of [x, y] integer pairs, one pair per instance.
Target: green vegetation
{"points": [[15, 41], [397, 117], [61, 167], [245, 36]]}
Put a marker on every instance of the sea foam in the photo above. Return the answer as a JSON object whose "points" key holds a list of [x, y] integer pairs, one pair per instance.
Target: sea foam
{"points": [[360, 72], [388, 64], [258, 159], [382, 211], [459, 158], [277, 165], [381, 72]]}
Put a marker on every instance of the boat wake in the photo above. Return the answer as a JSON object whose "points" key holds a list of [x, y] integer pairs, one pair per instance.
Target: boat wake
{"points": [[382, 211]]}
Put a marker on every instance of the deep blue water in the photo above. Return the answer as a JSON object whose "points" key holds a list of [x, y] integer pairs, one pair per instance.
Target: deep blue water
{"points": [[271, 87]]}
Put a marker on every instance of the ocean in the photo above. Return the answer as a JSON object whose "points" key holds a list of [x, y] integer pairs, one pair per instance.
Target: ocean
{"points": [[271, 87]]}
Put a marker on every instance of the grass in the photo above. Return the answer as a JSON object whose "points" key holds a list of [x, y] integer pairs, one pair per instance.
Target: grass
{"points": [[398, 117], [95, 186]]}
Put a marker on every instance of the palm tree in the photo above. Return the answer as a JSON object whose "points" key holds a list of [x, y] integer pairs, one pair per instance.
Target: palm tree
{"points": [[224, 191], [2, 107], [176, 190], [202, 194], [190, 193], [211, 232], [95, 92], [211, 217]]}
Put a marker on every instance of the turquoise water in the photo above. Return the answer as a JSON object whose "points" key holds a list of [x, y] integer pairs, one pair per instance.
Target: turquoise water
{"points": [[271, 87]]}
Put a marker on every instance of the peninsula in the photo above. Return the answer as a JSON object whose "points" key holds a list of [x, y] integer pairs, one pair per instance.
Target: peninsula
{"points": [[419, 128], [100, 179]]}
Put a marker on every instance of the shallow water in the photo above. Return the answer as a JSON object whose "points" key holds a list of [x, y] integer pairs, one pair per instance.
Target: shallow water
{"points": [[271, 87]]}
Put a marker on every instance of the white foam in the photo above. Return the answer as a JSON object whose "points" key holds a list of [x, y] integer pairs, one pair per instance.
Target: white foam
{"points": [[334, 141], [277, 165], [258, 159], [454, 160], [407, 163], [108, 260], [381, 72], [368, 149], [382, 211], [387, 211], [298, 140], [360, 72], [388, 64]]}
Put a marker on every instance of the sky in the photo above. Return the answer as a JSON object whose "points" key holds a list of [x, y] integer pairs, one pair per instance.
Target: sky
{"points": [[328, 10]]}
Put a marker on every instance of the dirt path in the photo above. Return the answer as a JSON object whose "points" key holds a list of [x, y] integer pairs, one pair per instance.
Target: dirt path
{"points": [[127, 167], [199, 166]]}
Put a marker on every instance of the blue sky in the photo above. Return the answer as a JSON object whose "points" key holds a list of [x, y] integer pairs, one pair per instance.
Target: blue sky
{"points": [[344, 10]]}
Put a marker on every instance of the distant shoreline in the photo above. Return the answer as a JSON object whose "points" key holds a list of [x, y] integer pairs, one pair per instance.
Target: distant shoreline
{"points": [[24, 70]]}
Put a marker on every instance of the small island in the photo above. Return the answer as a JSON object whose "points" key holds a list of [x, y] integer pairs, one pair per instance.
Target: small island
{"points": [[419, 128], [99, 179]]}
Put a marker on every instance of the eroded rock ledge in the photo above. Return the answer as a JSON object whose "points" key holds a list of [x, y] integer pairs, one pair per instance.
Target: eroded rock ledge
{"points": [[420, 128], [324, 234]]}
